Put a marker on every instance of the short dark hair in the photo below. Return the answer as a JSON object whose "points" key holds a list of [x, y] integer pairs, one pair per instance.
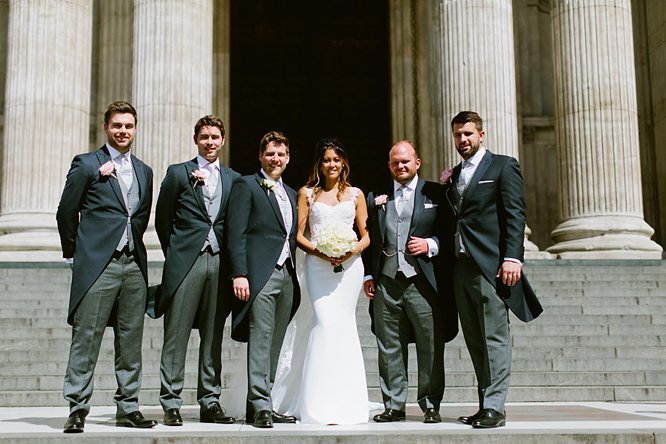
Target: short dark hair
{"points": [[273, 136], [119, 107], [209, 120], [468, 116]]}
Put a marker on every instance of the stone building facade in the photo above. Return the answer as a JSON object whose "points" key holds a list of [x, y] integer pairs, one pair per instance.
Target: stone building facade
{"points": [[573, 88]]}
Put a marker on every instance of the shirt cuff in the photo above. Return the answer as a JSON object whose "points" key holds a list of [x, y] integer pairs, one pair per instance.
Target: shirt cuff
{"points": [[433, 248], [510, 259]]}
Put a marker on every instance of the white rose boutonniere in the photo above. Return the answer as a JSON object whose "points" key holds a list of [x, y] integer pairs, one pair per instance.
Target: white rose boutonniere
{"points": [[108, 169], [335, 241], [267, 185], [380, 201], [199, 176]]}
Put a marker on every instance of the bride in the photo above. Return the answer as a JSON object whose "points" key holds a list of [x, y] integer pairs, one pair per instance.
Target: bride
{"points": [[322, 381]]}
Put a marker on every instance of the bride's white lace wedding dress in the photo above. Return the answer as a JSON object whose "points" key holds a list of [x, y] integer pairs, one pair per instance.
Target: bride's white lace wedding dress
{"points": [[321, 379]]}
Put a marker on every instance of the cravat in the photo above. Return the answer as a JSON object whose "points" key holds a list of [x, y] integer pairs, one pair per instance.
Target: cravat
{"points": [[401, 198], [125, 170], [211, 181], [285, 206], [463, 179]]}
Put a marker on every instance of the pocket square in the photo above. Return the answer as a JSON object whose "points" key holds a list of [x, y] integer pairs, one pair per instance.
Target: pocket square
{"points": [[486, 181], [429, 205]]}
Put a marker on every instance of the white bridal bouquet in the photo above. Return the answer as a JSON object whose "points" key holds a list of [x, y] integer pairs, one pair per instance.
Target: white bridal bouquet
{"points": [[336, 240]]}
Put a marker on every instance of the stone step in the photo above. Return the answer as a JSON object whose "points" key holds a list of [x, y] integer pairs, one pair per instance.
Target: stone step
{"points": [[602, 337], [453, 379], [150, 397]]}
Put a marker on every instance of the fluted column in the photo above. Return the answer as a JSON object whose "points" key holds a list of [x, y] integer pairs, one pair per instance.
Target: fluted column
{"points": [[477, 68], [596, 126], [114, 59], [47, 100], [221, 70], [173, 78]]}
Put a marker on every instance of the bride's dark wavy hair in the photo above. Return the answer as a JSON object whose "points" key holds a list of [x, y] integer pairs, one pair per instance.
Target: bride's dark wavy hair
{"points": [[316, 178]]}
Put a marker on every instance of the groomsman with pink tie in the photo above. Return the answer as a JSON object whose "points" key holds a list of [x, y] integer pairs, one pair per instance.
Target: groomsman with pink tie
{"points": [[102, 216], [190, 223]]}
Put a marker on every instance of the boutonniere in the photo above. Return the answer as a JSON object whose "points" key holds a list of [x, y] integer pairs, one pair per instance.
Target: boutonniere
{"points": [[266, 185], [380, 201], [108, 169], [446, 175], [199, 175]]}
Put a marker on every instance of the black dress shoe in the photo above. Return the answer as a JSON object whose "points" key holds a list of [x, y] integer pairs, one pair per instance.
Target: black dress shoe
{"points": [[263, 419], [389, 415], [75, 422], [468, 420], [489, 419], [135, 420], [215, 413], [283, 419], [172, 418], [431, 416]]}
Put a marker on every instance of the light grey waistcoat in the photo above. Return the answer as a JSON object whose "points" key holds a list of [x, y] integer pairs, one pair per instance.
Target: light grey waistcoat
{"points": [[395, 240]]}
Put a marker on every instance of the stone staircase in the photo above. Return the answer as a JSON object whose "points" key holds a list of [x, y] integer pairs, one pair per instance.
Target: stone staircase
{"points": [[602, 337]]}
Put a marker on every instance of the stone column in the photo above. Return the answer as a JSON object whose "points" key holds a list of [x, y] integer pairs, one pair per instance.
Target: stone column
{"points": [[47, 100], [173, 82], [114, 59], [477, 69], [412, 86], [221, 70], [597, 133]]}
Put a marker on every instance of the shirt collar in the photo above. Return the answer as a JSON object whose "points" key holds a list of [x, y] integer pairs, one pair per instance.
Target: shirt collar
{"points": [[203, 162], [270, 179], [411, 185], [115, 153]]}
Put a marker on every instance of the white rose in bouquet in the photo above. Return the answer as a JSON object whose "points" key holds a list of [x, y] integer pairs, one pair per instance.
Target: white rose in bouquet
{"points": [[336, 240]]}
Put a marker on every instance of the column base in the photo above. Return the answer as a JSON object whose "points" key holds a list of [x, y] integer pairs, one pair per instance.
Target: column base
{"points": [[29, 237], [605, 237]]}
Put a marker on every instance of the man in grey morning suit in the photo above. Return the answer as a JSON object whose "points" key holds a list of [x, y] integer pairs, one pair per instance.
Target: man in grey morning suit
{"points": [[190, 217], [261, 245], [403, 224], [487, 203], [102, 216]]}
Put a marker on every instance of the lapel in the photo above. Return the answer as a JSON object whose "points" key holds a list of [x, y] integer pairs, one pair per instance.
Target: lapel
{"points": [[381, 213], [141, 179], [226, 181], [451, 190], [294, 214], [196, 186], [272, 200], [478, 174], [419, 204], [103, 156]]}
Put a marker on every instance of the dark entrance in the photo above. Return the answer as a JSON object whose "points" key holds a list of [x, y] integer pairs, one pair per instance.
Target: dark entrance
{"points": [[311, 70]]}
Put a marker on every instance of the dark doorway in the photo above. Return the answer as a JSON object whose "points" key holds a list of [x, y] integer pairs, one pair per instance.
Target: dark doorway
{"points": [[311, 70]]}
